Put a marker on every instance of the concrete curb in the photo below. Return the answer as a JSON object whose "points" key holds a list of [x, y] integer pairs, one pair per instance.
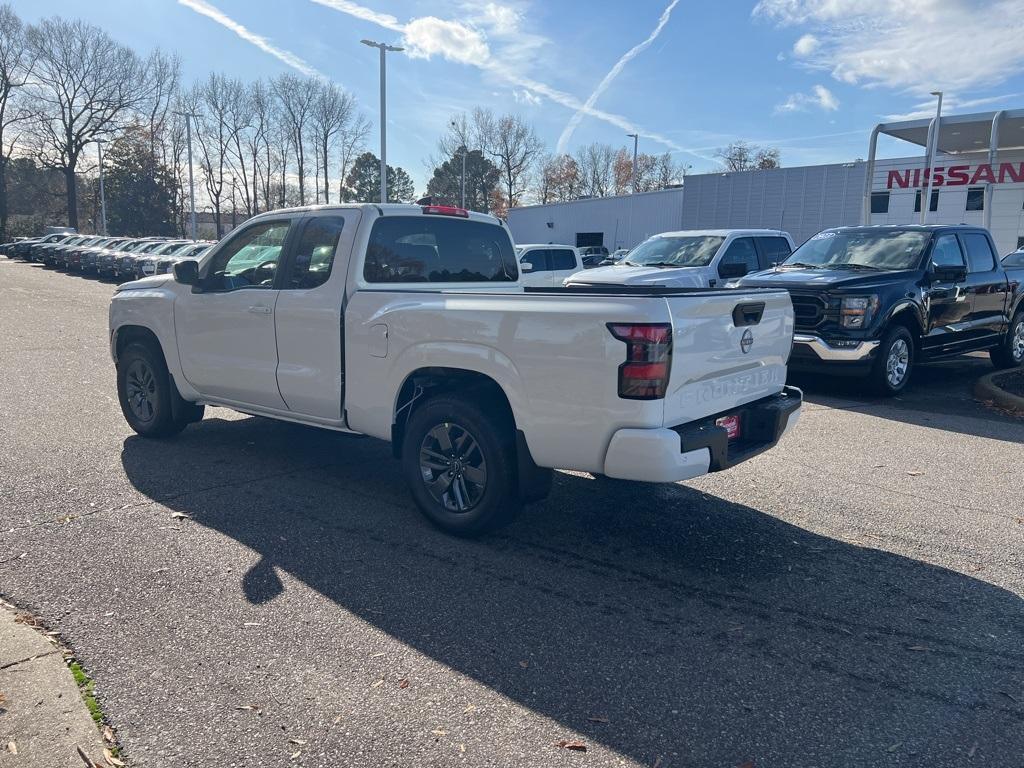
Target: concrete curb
{"points": [[43, 721], [985, 389]]}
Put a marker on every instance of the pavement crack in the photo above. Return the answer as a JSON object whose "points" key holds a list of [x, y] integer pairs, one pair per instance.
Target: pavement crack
{"points": [[10, 664]]}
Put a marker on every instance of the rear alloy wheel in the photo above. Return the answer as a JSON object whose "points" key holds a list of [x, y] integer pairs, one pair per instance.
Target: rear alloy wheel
{"points": [[1010, 352], [459, 462], [894, 362]]}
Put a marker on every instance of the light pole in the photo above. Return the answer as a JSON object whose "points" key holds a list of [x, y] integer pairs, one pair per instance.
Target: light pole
{"points": [[103, 197], [926, 200], [191, 184], [462, 148], [636, 140], [383, 48]]}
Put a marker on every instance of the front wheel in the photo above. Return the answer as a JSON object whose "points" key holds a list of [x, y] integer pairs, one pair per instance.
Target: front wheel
{"points": [[459, 462], [1010, 352], [145, 391], [894, 362]]}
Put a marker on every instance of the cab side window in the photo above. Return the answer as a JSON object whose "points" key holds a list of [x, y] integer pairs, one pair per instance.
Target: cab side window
{"points": [[249, 260], [979, 253], [774, 250], [561, 259], [742, 251], [314, 254], [538, 258], [946, 252]]}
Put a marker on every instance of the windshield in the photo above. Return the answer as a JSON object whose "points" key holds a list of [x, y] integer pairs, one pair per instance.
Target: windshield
{"points": [[884, 251], [675, 251]]}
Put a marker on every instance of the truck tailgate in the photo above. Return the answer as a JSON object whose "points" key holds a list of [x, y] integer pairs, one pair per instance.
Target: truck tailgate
{"points": [[728, 349]]}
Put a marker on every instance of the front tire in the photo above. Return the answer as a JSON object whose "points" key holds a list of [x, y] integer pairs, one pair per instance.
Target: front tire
{"points": [[1010, 352], [894, 362], [459, 461], [145, 392]]}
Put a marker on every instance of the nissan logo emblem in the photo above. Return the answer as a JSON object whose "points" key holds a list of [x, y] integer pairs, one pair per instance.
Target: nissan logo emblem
{"points": [[747, 341]]}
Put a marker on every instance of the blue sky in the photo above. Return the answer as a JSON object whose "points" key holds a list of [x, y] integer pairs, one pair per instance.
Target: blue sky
{"points": [[808, 76]]}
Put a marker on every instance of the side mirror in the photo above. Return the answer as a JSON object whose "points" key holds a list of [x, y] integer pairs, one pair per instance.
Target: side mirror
{"points": [[732, 269], [187, 272], [525, 266], [949, 274]]}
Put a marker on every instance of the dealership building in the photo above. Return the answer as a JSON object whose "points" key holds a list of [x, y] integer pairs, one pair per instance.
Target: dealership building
{"points": [[977, 177]]}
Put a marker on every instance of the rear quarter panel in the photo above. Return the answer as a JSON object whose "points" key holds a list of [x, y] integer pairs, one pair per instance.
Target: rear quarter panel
{"points": [[552, 355]]}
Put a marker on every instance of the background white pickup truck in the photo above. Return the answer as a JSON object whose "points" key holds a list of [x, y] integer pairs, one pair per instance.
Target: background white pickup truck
{"points": [[408, 324], [705, 258]]}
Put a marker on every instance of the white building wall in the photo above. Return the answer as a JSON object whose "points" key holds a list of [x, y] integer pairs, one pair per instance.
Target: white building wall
{"points": [[622, 221]]}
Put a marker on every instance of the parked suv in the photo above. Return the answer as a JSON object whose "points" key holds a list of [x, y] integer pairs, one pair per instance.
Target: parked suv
{"points": [[694, 259], [873, 301]]}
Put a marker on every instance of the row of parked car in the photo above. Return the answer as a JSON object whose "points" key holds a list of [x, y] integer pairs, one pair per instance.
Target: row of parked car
{"points": [[119, 258]]}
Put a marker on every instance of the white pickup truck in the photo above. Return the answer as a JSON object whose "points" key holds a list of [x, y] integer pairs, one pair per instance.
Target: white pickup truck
{"points": [[409, 324]]}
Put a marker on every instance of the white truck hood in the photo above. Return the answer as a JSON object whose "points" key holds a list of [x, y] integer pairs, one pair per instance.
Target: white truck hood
{"points": [[621, 274], [153, 281]]}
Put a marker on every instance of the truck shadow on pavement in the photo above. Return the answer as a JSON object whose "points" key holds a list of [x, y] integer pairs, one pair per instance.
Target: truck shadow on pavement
{"points": [[655, 620]]}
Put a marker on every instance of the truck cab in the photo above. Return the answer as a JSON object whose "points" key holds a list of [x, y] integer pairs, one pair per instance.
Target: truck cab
{"points": [[547, 265], [694, 258], [873, 301]]}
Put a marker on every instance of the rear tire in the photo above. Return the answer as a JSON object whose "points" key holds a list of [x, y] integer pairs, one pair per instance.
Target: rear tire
{"points": [[145, 391], [1010, 352], [894, 362], [459, 461]]}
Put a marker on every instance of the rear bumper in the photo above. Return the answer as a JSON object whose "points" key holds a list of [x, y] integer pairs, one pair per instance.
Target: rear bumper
{"points": [[691, 450]]}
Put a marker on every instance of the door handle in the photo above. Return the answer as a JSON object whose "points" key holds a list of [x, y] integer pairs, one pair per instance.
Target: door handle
{"points": [[259, 309]]}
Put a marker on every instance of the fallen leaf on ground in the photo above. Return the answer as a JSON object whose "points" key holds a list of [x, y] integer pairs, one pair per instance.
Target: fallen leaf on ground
{"points": [[299, 742], [577, 746], [895, 746], [179, 516], [597, 719], [377, 655], [337, 719], [524, 664], [108, 733], [403, 683], [973, 749], [470, 708], [917, 648], [250, 708], [12, 747], [748, 764], [915, 472], [462, 748], [295, 755], [111, 760], [657, 762], [439, 732], [378, 684]]}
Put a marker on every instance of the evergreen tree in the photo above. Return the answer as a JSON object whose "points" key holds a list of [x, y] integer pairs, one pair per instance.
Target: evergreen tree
{"points": [[140, 190], [362, 185], [482, 177]]}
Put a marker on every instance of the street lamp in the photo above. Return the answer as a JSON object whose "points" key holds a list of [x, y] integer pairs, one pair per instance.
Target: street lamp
{"points": [[636, 140], [383, 48], [191, 184], [103, 197], [926, 201]]}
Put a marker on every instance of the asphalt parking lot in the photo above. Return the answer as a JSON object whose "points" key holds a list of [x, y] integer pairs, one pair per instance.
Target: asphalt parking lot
{"points": [[254, 593]]}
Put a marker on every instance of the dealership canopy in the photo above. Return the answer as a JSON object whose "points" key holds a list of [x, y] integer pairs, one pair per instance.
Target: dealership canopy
{"points": [[956, 134]]}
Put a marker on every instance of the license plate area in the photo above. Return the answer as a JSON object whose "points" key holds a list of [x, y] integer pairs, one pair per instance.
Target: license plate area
{"points": [[732, 425]]}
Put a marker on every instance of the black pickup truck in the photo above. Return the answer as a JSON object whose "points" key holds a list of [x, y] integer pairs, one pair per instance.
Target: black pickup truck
{"points": [[873, 301]]}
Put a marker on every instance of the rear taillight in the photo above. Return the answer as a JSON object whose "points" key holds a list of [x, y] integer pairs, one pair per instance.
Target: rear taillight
{"points": [[644, 375], [445, 210]]}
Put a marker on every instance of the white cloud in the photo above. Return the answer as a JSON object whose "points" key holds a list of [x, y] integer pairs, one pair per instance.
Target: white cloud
{"points": [[613, 73], [500, 19], [287, 57], [806, 45], [524, 96], [430, 36], [819, 97], [914, 46]]}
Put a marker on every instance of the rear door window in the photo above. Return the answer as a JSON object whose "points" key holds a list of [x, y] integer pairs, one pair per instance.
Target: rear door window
{"points": [[774, 250], [562, 259], [979, 253], [438, 249]]}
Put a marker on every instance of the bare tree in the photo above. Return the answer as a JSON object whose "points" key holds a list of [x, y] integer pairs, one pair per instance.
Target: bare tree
{"points": [[296, 96], [15, 69], [333, 112], [212, 102], [164, 72], [513, 146], [87, 86], [258, 143], [597, 169], [741, 156], [559, 179], [351, 142]]}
